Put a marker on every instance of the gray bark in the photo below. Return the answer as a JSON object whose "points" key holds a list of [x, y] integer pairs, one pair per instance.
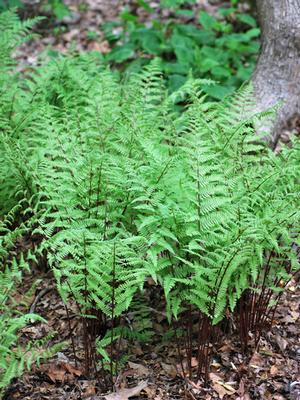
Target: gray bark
{"points": [[277, 74]]}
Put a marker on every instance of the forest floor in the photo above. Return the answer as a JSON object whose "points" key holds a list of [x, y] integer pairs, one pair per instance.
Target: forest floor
{"points": [[72, 31], [153, 372]]}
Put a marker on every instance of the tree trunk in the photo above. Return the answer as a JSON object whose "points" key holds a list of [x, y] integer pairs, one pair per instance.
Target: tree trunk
{"points": [[277, 75]]}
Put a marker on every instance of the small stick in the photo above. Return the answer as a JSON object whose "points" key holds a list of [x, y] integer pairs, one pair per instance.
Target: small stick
{"points": [[41, 294]]}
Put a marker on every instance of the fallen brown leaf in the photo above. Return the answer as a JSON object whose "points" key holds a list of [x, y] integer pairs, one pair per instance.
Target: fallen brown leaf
{"points": [[139, 369], [72, 34], [62, 371], [56, 373], [151, 392], [273, 370], [256, 361], [169, 369], [88, 388], [281, 342], [102, 47], [72, 370], [125, 394], [220, 386], [220, 390], [226, 348]]}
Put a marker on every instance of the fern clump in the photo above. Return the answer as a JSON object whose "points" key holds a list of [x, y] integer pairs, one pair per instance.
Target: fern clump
{"points": [[120, 187]]}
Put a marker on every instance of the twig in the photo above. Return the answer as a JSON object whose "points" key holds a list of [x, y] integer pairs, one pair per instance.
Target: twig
{"points": [[41, 294]]}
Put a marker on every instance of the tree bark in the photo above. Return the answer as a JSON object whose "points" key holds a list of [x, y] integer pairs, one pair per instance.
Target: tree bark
{"points": [[277, 74]]}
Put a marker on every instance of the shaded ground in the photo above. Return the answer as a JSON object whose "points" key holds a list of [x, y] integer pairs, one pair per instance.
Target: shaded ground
{"points": [[267, 374], [89, 16]]}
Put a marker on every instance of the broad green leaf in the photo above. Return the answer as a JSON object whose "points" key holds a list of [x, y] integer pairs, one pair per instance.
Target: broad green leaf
{"points": [[121, 53], [175, 81], [247, 19], [207, 21]]}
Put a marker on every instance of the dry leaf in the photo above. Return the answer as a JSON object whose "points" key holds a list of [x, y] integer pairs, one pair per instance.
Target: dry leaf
{"points": [[282, 343], [228, 387], [214, 377], [215, 365], [220, 386], [256, 361], [139, 369], [295, 315], [273, 370], [151, 392], [220, 390], [102, 47], [169, 369], [62, 371], [88, 388], [125, 394], [186, 367], [56, 373], [226, 348], [137, 350], [243, 395], [288, 319], [72, 34], [72, 370]]}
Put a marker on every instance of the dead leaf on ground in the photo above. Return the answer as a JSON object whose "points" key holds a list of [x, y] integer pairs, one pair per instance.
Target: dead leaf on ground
{"points": [[220, 386], [71, 35], [273, 370], [215, 365], [243, 395], [170, 370], [36, 332], [56, 373], [151, 392], [88, 388], [185, 365], [256, 361], [125, 394], [139, 369], [281, 342], [71, 369], [102, 47], [226, 348], [62, 371]]}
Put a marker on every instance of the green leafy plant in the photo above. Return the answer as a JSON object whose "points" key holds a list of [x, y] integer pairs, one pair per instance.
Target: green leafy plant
{"points": [[211, 47], [120, 187], [58, 8], [55, 7], [6, 4], [15, 358]]}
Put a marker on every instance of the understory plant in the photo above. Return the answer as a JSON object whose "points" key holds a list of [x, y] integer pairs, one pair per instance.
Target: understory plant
{"points": [[222, 47], [16, 355], [119, 187], [15, 358]]}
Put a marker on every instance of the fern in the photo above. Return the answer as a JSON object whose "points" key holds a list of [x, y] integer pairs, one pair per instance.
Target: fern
{"points": [[119, 187], [14, 357]]}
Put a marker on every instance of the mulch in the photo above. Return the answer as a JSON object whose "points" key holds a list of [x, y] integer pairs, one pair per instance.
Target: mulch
{"points": [[152, 371]]}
